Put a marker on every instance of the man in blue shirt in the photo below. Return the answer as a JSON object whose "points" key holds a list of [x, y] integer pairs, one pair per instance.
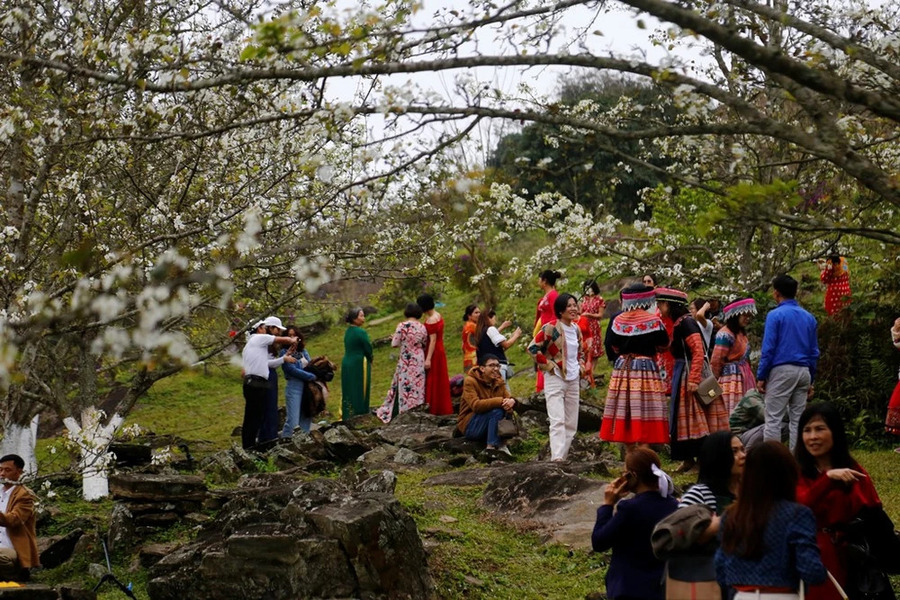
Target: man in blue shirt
{"points": [[787, 366]]}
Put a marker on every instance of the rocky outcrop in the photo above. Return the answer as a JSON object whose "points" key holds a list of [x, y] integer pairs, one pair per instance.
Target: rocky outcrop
{"points": [[284, 539], [548, 497], [146, 502]]}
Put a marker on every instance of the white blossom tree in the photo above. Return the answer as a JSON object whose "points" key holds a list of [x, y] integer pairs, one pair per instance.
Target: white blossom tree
{"points": [[161, 159]]}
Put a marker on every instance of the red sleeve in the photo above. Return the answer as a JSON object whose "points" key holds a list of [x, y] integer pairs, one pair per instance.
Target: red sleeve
{"points": [[811, 491], [695, 343]]}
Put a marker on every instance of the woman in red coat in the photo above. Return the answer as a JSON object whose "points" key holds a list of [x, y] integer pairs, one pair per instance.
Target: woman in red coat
{"points": [[833, 485]]}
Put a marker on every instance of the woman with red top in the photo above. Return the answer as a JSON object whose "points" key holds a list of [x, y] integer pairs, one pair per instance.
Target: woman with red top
{"points": [[690, 422], [592, 306], [836, 277], [545, 315], [892, 422], [470, 322], [833, 485], [635, 411], [437, 379]]}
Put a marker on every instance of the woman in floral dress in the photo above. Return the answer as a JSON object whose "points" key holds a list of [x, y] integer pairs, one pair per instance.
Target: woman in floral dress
{"points": [[408, 386]]}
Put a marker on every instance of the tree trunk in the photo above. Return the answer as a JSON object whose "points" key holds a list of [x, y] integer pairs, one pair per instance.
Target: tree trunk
{"points": [[93, 439], [21, 440]]}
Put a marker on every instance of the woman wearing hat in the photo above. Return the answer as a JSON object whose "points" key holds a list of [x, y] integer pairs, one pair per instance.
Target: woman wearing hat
{"points": [[731, 354], [635, 410], [690, 422], [256, 364]]}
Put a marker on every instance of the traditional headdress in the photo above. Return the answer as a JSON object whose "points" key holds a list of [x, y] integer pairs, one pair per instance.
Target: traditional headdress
{"points": [[671, 295], [740, 307], [636, 300]]}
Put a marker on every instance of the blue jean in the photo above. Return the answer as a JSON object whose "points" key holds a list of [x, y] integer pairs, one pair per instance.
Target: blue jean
{"points": [[483, 426], [293, 401]]}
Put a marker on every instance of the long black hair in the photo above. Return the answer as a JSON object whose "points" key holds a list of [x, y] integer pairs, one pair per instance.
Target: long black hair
{"points": [[716, 460], [840, 449]]}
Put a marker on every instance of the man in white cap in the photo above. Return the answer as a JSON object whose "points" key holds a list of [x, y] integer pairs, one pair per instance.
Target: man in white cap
{"points": [[256, 365]]}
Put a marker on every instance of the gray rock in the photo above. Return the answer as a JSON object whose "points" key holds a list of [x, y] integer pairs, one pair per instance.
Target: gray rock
{"points": [[382, 483], [405, 456], [74, 593], [344, 445], [315, 539], [381, 454], [157, 488], [151, 554], [121, 528], [30, 592], [546, 494], [56, 550]]}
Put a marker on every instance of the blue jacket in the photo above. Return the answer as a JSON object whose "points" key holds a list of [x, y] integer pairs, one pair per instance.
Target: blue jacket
{"points": [[791, 552], [789, 339], [293, 372], [634, 572]]}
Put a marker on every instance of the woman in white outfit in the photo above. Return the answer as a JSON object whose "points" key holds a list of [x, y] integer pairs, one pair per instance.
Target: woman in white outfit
{"points": [[558, 351]]}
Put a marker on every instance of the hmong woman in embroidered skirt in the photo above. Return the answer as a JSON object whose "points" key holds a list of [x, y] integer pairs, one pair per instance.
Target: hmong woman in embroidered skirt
{"points": [[635, 410], [731, 355], [690, 421]]}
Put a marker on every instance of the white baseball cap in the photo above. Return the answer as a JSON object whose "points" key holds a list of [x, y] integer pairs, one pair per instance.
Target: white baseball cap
{"points": [[273, 322]]}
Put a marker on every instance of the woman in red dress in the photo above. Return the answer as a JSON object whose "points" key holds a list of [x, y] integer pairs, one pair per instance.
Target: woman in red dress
{"points": [[592, 306], [836, 277], [892, 422], [437, 379], [833, 485], [545, 315]]}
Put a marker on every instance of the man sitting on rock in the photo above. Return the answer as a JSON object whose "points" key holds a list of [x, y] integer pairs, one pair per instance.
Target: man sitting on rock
{"points": [[18, 546], [485, 402]]}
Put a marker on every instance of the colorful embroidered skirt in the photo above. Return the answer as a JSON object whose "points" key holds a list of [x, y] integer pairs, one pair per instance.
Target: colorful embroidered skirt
{"points": [[736, 380], [892, 422], [635, 404]]}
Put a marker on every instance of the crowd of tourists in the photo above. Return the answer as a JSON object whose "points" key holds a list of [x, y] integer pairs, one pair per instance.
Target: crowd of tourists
{"points": [[777, 491]]}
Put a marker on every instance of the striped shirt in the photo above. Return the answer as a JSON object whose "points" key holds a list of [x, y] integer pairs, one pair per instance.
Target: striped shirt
{"points": [[699, 493]]}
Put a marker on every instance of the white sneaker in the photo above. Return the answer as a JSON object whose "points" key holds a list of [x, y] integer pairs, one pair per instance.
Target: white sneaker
{"points": [[505, 449]]}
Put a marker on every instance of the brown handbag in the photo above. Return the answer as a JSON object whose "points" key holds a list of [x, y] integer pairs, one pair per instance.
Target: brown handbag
{"points": [[708, 390]]}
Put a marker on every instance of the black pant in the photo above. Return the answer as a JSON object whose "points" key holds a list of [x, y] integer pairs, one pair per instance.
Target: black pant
{"points": [[254, 410]]}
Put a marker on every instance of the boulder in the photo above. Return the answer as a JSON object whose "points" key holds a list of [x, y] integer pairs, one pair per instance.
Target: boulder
{"points": [[405, 456], [151, 554], [56, 550], [316, 539], [345, 445], [382, 483], [547, 496], [30, 592], [121, 528], [157, 488], [381, 454]]}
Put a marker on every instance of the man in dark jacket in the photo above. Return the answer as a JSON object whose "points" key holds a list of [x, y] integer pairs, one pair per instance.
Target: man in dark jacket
{"points": [[485, 402]]}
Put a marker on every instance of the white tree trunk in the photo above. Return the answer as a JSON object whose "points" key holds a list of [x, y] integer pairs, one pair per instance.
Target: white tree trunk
{"points": [[21, 440], [92, 439]]}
